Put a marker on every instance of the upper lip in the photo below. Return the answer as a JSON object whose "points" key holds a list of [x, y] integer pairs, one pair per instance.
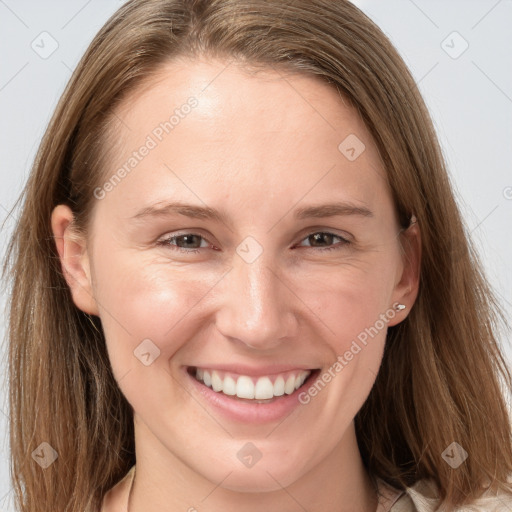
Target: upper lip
{"points": [[253, 371]]}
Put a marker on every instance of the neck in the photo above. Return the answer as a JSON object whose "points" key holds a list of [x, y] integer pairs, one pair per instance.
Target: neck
{"points": [[164, 483]]}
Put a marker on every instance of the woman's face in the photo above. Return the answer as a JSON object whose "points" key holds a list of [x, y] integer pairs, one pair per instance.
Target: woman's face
{"points": [[252, 232]]}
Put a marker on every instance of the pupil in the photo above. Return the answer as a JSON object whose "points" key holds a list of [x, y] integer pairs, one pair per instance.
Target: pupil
{"points": [[189, 239], [318, 236]]}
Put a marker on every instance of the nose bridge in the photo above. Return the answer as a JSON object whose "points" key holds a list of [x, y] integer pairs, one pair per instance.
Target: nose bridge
{"points": [[257, 308]]}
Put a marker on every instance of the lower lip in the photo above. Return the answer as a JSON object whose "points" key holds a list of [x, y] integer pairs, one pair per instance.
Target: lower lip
{"points": [[247, 412]]}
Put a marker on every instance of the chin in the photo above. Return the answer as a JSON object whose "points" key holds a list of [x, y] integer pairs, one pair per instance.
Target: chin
{"points": [[270, 475], [257, 481]]}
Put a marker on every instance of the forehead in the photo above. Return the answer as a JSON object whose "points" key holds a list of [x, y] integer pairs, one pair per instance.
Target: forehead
{"points": [[217, 123]]}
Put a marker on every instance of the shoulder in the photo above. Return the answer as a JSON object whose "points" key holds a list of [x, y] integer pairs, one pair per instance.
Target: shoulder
{"points": [[423, 496], [116, 499]]}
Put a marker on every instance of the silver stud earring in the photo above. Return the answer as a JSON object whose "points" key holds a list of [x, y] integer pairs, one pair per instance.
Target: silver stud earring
{"points": [[399, 307]]}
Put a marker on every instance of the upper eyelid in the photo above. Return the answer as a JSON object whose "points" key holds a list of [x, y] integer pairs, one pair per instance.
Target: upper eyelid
{"points": [[173, 236], [308, 232]]}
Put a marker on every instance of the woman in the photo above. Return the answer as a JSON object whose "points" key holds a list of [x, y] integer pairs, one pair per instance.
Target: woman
{"points": [[174, 306]]}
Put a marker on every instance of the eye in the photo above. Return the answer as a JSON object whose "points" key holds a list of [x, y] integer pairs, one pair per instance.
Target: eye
{"points": [[325, 237], [186, 242], [193, 242]]}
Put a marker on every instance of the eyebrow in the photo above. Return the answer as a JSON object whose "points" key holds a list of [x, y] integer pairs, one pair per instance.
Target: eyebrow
{"points": [[332, 210], [178, 208], [207, 213]]}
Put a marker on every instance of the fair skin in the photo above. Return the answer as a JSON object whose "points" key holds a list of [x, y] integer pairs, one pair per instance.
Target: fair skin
{"points": [[257, 148]]}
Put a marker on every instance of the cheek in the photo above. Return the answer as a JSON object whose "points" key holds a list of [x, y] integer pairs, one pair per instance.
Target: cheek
{"points": [[353, 304], [140, 301], [353, 308], [350, 298]]}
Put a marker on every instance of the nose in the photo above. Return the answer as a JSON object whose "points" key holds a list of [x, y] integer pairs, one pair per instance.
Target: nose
{"points": [[257, 305]]}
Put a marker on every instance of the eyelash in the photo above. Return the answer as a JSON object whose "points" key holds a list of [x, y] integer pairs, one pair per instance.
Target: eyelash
{"points": [[166, 242]]}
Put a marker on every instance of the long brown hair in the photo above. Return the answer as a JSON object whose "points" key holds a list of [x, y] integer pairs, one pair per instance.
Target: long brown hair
{"points": [[442, 376]]}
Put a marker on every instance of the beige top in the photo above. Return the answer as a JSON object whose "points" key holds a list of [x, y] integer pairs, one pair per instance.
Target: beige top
{"points": [[421, 497]]}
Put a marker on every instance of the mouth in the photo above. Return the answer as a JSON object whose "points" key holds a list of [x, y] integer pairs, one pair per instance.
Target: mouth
{"points": [[263, 389]]}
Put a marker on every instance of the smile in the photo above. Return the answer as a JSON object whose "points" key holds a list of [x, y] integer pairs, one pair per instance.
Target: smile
{"points": [[263, 388], [249, 395]]}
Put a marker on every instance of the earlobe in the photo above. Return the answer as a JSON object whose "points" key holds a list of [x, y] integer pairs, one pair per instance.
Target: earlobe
{"points": [[74, 259], [406, 289]]}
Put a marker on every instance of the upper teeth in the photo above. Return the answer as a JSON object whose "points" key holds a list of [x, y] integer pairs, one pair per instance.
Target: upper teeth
{"points": [[258, 388]]}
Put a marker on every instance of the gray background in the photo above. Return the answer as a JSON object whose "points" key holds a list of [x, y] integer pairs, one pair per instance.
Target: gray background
{"points": [[468, 90]]}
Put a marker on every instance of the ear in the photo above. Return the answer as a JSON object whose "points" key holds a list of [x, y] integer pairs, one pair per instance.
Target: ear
{"points": [[407, 287], [74, 259]]}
